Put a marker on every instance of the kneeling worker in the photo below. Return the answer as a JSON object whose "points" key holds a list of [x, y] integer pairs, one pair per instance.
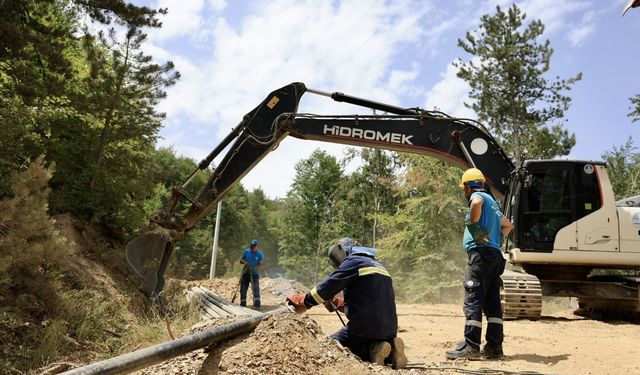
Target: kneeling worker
{"points": [[369, 303]]}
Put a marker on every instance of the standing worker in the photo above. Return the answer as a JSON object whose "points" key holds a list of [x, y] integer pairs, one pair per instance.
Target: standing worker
{"points": [[369, 303], [486, 226], [253, 260]]}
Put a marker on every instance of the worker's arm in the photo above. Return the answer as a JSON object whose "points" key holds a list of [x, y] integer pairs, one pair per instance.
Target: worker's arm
{"points": [[505, 226], [475, 209], [334, 284], [261, 263], [480, 236]]}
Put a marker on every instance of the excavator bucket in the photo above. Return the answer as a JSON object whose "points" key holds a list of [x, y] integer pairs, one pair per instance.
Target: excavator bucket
{"points": [[147, 257]]}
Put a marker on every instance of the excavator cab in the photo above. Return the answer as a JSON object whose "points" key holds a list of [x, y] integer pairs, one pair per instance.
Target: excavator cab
{"points": [[551, 196]]}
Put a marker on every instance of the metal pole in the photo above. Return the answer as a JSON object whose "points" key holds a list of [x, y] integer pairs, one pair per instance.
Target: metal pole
{"points": [[146, 357], [216, 231]]}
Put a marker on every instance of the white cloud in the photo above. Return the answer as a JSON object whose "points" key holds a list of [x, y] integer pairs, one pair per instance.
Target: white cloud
{"points": [[579, 34], [183, 18], [449, 95], [347, 46], [553, 13], [217, 5], [351, 46]]}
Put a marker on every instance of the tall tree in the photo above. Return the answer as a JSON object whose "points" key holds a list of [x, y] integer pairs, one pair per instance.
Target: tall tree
{"points": [[623, 167], [507, 75], [308, 205], [80, 107], [635, 108], [423, 248], [367, 193]]}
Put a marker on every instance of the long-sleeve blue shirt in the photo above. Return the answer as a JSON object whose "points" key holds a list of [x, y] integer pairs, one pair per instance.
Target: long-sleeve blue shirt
{"points": [[369, 299]]}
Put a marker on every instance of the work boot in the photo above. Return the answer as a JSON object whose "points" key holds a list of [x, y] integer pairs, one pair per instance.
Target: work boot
{"points": [[379, 351], [464, 350], [492, 351], [398, 358]]}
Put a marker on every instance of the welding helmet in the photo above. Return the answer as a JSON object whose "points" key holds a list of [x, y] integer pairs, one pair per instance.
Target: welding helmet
{"points": [[338, 252]]}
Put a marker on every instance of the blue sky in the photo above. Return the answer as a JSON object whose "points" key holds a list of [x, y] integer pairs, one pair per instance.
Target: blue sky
{"points": [[231, 54]]}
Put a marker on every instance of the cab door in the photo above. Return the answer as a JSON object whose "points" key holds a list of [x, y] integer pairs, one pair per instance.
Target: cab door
{"points": [[596, 213], [547, 210]]}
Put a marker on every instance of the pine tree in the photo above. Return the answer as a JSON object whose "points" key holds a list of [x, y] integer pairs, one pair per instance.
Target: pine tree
{"points": [[523, 109], [623, 167], [635, 108]]}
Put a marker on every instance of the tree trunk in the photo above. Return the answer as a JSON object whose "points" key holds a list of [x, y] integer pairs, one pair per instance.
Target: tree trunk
{"points": [[113, 104]]}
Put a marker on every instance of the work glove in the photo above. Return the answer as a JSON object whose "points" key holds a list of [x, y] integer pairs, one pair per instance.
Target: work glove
{"points": [[297, 301], [480, 236], [242, 261], [337, 303]]}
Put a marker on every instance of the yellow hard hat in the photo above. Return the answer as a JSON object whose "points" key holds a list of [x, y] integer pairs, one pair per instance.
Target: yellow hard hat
{"points": [[471, 174]]}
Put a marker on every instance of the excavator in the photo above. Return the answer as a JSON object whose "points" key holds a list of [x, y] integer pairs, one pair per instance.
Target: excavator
{"points": [[567, 222]]}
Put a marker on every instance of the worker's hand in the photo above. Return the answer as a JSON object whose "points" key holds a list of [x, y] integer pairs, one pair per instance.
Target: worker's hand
{"points": [[337, 303], [242, 261], [297, 301]]}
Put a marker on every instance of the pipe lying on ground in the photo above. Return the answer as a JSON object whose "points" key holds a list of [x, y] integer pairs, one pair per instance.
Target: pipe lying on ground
{"points": [[146, 357]]}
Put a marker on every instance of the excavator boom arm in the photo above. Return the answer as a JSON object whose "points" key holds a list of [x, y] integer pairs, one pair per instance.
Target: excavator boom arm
{"points": [[456, 141]]}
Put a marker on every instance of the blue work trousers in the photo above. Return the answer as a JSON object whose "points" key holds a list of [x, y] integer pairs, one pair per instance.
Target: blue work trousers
{"points": [[359, 345], [254, 279], [482, 294]]}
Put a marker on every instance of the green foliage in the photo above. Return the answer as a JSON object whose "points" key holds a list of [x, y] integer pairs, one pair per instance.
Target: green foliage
{"points": [[623, 167], [423, 250], [366, 194], [635, 108], [87, 103], [32, 254], [303, 238], [28, 240], [523, 109]]}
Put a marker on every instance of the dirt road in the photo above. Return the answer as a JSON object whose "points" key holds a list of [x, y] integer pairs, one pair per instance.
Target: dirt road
{"points": [[559, 343]]}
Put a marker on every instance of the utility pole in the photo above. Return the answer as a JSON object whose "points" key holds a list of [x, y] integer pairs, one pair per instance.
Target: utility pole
{"points": [[212, 270]]}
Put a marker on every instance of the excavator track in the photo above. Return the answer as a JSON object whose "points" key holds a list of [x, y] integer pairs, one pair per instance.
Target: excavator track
{"points": [[521, 296], [624, 305]]}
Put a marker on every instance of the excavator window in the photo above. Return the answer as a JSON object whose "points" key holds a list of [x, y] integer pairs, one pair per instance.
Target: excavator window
{"points": [[546, 207], [588, 197]]}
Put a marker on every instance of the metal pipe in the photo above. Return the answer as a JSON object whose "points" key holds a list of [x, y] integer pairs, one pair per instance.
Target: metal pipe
{"points": [[146, 357]]}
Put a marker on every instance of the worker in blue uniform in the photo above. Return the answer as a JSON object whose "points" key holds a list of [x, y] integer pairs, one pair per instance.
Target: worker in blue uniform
{"points": [[485, 228], [369, 303], [253, 260]]}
